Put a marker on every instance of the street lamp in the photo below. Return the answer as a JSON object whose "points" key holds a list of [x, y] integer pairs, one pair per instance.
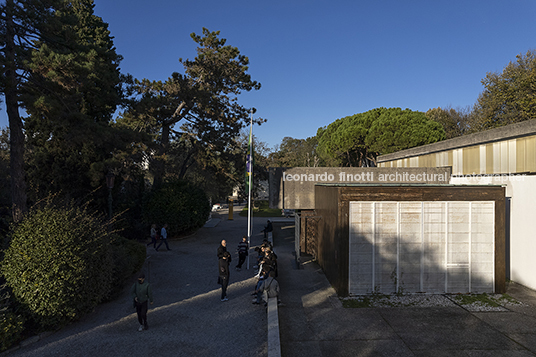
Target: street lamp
{"points": [[110, 178]]}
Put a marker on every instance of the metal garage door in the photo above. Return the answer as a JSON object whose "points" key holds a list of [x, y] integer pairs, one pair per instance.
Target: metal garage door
{"points": [[429, 247]]}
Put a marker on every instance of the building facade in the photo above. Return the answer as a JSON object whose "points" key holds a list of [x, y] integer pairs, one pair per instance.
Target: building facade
{"points": [[503, 156]]}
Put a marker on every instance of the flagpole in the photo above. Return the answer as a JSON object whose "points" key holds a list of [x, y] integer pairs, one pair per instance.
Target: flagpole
{"points": [[250, 178]]}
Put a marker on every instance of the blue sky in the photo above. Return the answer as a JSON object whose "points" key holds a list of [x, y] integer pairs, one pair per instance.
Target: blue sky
{"points": [[319, 61]]}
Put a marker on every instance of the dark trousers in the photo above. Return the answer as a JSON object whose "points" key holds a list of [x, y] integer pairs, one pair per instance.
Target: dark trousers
{"points": [[241, 259], [153, 242], [224, 283], [141, 310], [163, 241]]}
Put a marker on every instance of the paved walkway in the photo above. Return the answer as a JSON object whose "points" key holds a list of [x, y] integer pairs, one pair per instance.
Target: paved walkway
{"points": [[313, 322], [187, 318]]}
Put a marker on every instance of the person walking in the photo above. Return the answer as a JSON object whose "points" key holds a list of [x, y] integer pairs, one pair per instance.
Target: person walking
{"points": [[163, 237], [153, 236], [142, 293], [243, 250], [223, 266]]}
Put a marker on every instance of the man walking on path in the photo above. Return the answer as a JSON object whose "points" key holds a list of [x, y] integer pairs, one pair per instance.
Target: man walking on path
{"points": [[163, 236], [141, 293], [242, 252]]}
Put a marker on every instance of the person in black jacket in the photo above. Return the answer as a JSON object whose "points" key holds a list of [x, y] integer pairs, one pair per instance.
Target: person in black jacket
{"points": [[223, 266], [222, 248], [267, 228], [242, 249]]}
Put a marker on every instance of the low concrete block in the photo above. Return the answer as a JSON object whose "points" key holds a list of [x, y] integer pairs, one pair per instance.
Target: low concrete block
{"points": [[274, 343]]}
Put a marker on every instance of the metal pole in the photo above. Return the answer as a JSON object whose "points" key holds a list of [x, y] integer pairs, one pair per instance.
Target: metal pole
{"points": [[250, 178]]}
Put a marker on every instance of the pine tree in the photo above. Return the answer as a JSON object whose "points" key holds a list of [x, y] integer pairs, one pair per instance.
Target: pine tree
{"points": [[21, 23], [74, 93]]}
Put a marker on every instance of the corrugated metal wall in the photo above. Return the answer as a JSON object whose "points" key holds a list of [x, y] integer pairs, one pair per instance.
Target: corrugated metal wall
{"points": [[429, 247], [503, 157]]}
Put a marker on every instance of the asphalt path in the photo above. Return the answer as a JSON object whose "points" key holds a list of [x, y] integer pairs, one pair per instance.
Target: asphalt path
{"points": [[187, 317]]}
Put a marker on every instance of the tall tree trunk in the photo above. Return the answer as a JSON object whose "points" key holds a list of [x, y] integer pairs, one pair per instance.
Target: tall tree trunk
{"points": [[18, 183]]}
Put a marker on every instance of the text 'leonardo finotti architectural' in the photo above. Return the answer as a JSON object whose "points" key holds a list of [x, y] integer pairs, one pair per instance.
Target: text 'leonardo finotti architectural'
{"points": [[294, 187]]}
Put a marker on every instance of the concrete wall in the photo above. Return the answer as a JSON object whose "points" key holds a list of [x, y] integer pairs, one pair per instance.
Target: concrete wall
{"points": [[522, 249], [293, 188], [427, 247]]}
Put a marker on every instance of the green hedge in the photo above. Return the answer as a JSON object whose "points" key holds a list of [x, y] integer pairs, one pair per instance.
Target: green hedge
{"points": [[11, 323], [59, 264], [128, 257], [182, 205]]}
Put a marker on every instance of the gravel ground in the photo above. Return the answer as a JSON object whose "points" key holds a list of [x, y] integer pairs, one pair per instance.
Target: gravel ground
{"points": [[487, 302], [187, 318]]}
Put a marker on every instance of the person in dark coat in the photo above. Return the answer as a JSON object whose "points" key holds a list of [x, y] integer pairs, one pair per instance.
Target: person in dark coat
{"points": [[243, 249], [223, 267], [222, 248], [268, 228]]}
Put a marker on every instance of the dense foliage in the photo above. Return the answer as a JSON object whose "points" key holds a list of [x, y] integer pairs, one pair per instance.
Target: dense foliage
{"points": [[128, 257], [183, 206], [202, 101], [59, 263], [295, 153], [454, 122], [11, 322], [358, 139], [509, 97]]}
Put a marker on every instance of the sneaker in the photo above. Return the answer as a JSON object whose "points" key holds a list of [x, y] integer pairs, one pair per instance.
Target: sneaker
{"points": [[255, 302], [224, 299], [146, 327], [140, 328]]}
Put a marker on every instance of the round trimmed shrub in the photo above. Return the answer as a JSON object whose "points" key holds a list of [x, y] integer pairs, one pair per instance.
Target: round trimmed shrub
{"points": [[182, 205], [59, 263]]}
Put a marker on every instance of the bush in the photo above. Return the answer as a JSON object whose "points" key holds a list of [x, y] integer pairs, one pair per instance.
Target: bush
{"points": [[59, 263], [11, 323], [128, 257], [183, 206]]}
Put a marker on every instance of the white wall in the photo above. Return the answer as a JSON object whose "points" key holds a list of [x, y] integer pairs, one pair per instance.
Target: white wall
{"points": [[522, 191], [430, 247]]}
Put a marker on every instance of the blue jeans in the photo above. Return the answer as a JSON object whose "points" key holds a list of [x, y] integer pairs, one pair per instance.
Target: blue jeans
{"points": [[163, 241]]}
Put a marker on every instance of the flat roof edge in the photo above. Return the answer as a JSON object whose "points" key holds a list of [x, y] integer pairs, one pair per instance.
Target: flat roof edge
{"points": [[507, 132]]}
